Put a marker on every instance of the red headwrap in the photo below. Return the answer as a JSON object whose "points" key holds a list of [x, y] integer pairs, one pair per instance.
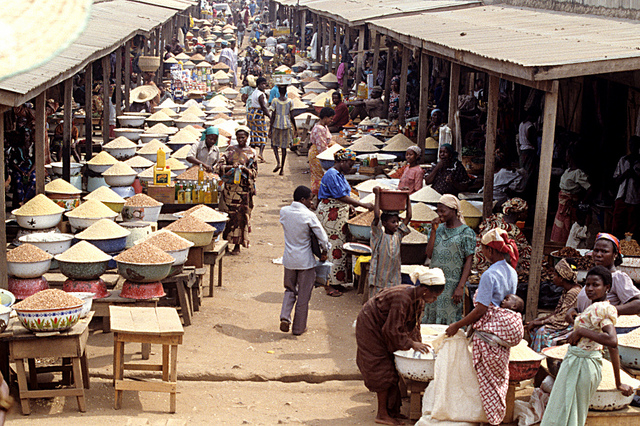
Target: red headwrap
{"points": [[499, 240]]}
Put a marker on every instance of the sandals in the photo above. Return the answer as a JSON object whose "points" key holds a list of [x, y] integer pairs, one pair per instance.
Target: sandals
{"points": [[276, 169], [334, 293]]}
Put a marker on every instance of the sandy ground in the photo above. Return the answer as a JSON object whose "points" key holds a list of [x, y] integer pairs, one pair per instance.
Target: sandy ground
{"points": [[235, 366]]}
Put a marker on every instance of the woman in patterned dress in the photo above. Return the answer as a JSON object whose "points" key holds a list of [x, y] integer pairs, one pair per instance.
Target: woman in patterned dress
{"points": [[257, 115], [320, 140], [239, 188], [333, 212], [451, 247], [448, 176]]}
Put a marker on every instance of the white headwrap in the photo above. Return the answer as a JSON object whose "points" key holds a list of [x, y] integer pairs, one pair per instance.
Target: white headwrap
{"points": [[452, 202]]}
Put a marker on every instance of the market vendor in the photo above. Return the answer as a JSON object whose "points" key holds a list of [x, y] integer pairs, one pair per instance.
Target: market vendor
{"points": [[342, 113], [494, 324], [624, 296], [433, 128], [205, 152], [387, 323], [363, 108], [320, 138], [412, 179], [449, 175], [394, 100]]}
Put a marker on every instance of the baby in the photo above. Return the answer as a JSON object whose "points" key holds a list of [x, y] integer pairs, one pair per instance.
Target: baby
{"points": [[513, 302]]}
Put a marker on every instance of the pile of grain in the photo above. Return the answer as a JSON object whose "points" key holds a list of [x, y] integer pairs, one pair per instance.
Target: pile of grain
{"points": [[398, 143], [148, 173], [630, 248], [192, 174], [48, 299], [138, 161], [469, 210], [40, 205], [104, 229], [415, 237], [366, 143], [557, 352], [120, 142], [182, 153], [221, 116], [159, 116], [207, 214], [92, 209], [175, 165], [190, 224], [329, 78], [194, 110], [194, 131], [363, 219], [153, 147], [522, 352], [119, 169], [104, 194], [368, 185], [170, 113], [102, 159], [628, 321], [160, 129], [420, 212], [83, 252], [61, 186], [630, 339], [184, 136], [27, 253], [142, 200], [167, 241], [190, 118], [608, 381], [144, 253], [425, 195]]}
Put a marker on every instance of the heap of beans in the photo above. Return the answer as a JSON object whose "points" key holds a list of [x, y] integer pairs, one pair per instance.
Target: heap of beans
{"points": [[48, 299]]}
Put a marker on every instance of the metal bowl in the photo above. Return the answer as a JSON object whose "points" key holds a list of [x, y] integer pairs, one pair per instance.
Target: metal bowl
{"points": [[82, 270], [199, 239], [360, 232], [629, 356], [46, 320], [411, 367], [144, 273], [181, 124], [80, 223], [148, 137], [6, 298], [87, 298], [631, 266], [120, 180], [109, 245], [131, 120], [99, 168], [38, 222], [74, 168], [167, 123], [28, 269], [131, 134], [122, 153], [609, 400], [148, 214], [51, 242], [523, 370]]}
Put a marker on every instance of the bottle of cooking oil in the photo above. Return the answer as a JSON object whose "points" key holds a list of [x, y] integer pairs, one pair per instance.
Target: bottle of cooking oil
{"points": [[236, 175], [194, 193], [214, 192], [187, 193], [180, 196], [207, 193], [161, 172]]}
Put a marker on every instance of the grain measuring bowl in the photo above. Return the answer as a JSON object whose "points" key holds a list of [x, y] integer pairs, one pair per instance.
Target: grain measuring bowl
{"points": [[28, 261], [415, 365], [141, 207], [144, 263], [40, 212], [49, 310], [193, 229]]}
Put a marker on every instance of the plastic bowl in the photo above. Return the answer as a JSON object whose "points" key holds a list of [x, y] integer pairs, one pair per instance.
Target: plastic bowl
{"points": [[360, 232], [131, 120], [46, 320], [51, 242], [28, 269], [148, 214], [122, 153], [87, 298], [38, 222], [144, 273], [82, 270], [120, 180], [66, 201]]}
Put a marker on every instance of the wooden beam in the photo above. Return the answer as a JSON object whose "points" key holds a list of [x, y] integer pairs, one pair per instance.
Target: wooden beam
{"points": [[490, 145], [360, 62], [127, 75], [41, 140], [106, 72], [423, 112], [332, 28], [316, 25], [542, 200], [404, 70], [66, 129], [387, 80], [118, 88], [454, 88], [376, 56], [303, 30], [347, 42], [323, 40], [88, 112], [3, 209]]}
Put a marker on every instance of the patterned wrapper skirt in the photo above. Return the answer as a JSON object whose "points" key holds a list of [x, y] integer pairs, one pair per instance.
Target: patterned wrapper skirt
{"points": [[237, 201], [565, 216], [258, 126], [281, 138], [316, 169], [333, 215]]}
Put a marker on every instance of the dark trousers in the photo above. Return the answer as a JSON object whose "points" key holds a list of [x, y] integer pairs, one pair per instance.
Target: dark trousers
{"points": [[298, 284], [625, 217]]}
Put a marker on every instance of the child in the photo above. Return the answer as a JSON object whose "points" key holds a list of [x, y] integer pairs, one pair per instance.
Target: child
{"points": [[413, 177], [581, 369], [283, 126], [384, 270], [513, 303], [578, 234]]}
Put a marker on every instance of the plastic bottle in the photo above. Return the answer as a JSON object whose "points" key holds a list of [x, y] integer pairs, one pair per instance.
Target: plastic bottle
{"points": [[194, 193], [214, 193], [207, 193], [187, 194], [236, 175]]}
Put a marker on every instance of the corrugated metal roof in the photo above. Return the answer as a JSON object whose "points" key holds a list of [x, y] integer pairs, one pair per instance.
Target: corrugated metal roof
{"points": [[112, 23], [524, 43]]}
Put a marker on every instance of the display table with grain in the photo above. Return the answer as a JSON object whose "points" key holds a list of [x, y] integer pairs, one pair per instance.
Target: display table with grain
{"points": [[213, 256], [70, 345], [151, 326]]}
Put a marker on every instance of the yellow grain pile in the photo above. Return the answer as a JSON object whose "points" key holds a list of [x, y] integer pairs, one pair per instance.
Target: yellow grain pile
{"points": [[104, 229], [83, 252], [630, 339], [92, 209], [40, 205], [61, 186], [102, 159], [139, 161], [469, 210], [104, 194]]}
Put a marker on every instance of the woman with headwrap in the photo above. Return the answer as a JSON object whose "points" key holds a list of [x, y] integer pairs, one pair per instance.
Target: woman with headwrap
{"points": [[450, 248], [433, 128], [333, 212], [512, 210], [449, 175], [320, 138], [496, 329], [238, 169], [394, 100], [205, 152], [549, 330], [413, 177], [257, 115]]}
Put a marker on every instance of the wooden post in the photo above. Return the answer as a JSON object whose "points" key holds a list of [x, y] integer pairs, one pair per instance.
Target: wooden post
{"points": [[159, 46], [423, 112], [41, 140], [347, 42], [66, 129], [542, 200], [127, 75], [376, 57], [316, 25], [360, 55], [332, 27], [303, 31], [106, 71], [3, 214], [454, 87], [387, 79], [323, 41], [402, 101], [88, 111], [490, 145], [118, 88]]}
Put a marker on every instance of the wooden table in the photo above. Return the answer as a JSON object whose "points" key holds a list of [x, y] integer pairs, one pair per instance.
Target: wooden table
{"points": [[68, 345], [211, 257], [151, 326]]}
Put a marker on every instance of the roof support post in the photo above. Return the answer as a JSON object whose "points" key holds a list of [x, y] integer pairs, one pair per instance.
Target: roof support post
{"points": [[402, 102], [303, 30], [360, 63], [41, 140], [118, 88], [423, 113], [347, 43], [387, 78], [3, 214], [316, 25], [127, 74], [454, 87], [106, 72], [490, 144], [88, 112], [332, 28], [66, 128], [376, 56], [159, 35], [542, 199]]}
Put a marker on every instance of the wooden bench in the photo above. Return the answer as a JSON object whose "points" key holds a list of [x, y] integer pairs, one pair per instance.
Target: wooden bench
{"points": [[151, 326], [213, 256]]}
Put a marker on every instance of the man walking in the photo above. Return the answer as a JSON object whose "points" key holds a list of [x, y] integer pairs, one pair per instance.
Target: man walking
{"points": [[298, 223]]}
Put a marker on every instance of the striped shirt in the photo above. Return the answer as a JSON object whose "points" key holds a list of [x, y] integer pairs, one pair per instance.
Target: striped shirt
{"points": [[385, 260], [281, 117]]}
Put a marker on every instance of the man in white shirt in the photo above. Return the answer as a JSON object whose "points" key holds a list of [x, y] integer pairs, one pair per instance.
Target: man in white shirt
{"points": [[298, 223]]}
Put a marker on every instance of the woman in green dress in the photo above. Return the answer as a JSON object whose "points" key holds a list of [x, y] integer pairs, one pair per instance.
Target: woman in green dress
{"points": [[451, 247]]}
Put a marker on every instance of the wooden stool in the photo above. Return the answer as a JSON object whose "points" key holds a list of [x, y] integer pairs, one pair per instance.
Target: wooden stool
{"points": [[146, 325], [69, 345], [213, 256], [416, 389]]}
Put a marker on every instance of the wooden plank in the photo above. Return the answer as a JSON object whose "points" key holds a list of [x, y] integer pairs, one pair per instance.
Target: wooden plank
{"points": [[121, 319], [150, 339], [360, 57], [454, 88], [66, 130], [88, 109], [52, 393], [3, 210], [404, 69], [423, 112], [106, 73], [173, 376], [143, 367], [332, 27], [303, 30], [542, 201], [376, 55], [168, 321], [317, 27], [123, 385], [118, 87], [145, 320], [41, 141], [490, 145], [387, 79], [78, 384], [347, 42]]}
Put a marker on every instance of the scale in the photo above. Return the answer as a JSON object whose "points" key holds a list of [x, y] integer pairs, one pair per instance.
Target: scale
{"points": [[97, 287]]}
